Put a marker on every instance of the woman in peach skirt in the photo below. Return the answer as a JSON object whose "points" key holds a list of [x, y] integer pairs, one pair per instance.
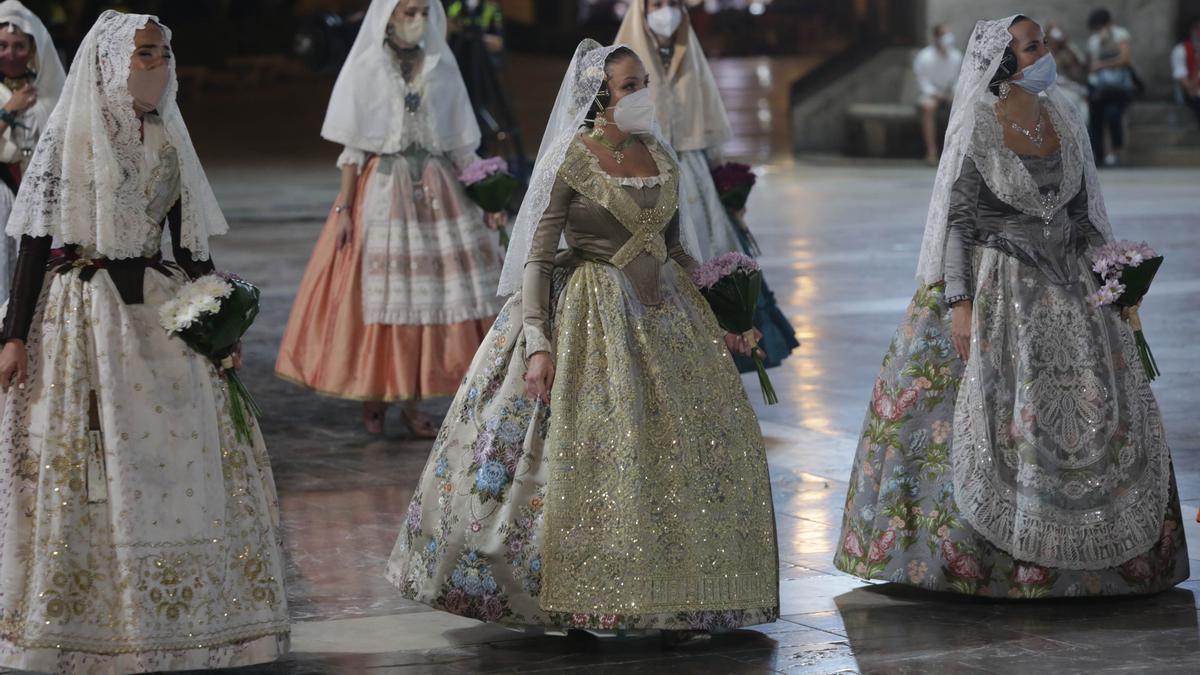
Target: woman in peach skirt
{"points": [[401, 287]]}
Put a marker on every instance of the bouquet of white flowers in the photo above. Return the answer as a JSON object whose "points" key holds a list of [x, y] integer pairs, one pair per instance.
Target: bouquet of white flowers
{"points": [[211, 314]]}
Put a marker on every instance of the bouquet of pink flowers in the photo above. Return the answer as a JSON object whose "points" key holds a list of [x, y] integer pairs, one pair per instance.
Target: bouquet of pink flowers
{"points": [[731, 284], [1125, 270], [489, 184]]}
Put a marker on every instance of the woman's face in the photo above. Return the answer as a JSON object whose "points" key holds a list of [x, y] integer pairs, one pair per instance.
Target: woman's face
{"points": [[652, 5], [16, 49], [626, 77], [150, 49], [408, 10], [1029, 43]]}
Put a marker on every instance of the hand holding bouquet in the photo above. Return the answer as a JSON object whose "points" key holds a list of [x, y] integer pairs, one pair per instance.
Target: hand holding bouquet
{"points": [[211, 314], [1124, 270], [489, 184], [731, 284]]}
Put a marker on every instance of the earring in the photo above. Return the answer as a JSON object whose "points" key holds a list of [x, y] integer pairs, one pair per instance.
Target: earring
{"points": [[1005, 90], [598, 125]]}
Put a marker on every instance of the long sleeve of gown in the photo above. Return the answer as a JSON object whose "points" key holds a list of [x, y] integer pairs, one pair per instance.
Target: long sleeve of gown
{"points": [[962, 220], [539, 269], [183, 256], [28, 278], [1086, 234], [675, 247]]}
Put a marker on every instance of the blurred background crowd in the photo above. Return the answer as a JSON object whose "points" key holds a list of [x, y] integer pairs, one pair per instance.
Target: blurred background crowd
{"points": [[856, 78]]}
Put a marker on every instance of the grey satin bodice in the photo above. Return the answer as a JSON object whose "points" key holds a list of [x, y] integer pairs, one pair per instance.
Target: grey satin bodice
{"points": [[977, 217]]}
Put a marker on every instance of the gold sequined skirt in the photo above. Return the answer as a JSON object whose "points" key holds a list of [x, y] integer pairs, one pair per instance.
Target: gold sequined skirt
{"points": [[639, 499]]}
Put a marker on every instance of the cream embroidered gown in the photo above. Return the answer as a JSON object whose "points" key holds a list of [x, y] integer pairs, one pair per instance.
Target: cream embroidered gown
{"points": [[145, 538], [640, 498]]}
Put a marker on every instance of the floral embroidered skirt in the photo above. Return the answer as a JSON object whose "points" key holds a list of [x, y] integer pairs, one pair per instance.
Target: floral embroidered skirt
{"points": [[902, 522], [641, 502], [429, 268], [137, 532]]}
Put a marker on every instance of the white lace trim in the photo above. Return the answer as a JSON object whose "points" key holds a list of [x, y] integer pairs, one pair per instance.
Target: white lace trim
{"points": [[640, 182]]}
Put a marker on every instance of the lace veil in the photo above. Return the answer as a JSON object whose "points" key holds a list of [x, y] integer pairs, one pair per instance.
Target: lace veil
{"points": [[575, 96], [367, 103], [50, 73], [84, 184], [980, 62]]}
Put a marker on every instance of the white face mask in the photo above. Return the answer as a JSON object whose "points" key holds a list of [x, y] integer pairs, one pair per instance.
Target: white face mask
{"points": [[664, 21], [634, 114], [948, 41], [409, 32], [147, 87]]}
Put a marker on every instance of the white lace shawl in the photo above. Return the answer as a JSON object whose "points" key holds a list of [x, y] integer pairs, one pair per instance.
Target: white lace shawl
{"points": [[50, 73], [575, 96], [83, 185], [1001, 167], [367, 110]]}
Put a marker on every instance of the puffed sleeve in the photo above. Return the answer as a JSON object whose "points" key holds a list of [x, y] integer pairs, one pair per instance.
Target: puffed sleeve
{"points": [[962, 221], [1084, 230], [539, 269], [28, 277], [352, 157]]}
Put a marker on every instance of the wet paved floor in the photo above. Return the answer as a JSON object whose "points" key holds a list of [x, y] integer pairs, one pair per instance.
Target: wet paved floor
{"points": [[842, 243]]}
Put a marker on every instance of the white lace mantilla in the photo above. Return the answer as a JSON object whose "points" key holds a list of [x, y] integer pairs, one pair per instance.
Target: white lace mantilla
{"points": [[85, 184]]}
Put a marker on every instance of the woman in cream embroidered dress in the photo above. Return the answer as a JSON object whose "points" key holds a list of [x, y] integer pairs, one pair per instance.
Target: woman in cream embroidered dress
{"points": [[33, 78], [1040, 467], [138, 533], [694, 123], [619, 481], [401, 286]]}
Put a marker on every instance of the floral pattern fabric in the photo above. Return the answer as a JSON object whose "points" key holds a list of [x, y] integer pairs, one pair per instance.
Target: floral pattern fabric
{"points": [[477, 539], [902, 523]]}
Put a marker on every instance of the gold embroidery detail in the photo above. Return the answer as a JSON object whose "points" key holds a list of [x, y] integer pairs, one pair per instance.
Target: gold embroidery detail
{"points": [[581, 170]]}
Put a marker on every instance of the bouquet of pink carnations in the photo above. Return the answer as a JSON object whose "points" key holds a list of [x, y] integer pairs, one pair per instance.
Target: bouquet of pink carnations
{"points": [[489, 184], [1125, 270], [731, 284]]}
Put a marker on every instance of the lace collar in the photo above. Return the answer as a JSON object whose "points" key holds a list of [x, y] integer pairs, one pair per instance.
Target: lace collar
{"points": [[1008, 178]]}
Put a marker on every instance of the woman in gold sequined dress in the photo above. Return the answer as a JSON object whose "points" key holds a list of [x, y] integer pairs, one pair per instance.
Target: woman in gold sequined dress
{"points": [[601, 467]]}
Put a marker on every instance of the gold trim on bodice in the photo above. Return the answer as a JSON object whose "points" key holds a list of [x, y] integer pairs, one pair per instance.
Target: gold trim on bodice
{"points": [[581, 170]]}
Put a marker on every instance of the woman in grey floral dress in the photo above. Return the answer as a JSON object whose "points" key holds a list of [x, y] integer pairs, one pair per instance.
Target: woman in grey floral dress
{"points": [[1013, 446]]}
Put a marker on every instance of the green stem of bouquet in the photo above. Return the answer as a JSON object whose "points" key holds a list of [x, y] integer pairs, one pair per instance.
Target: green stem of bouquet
{"points": [[241, 403], [1146, 355], [503, 237], [768, 389]]}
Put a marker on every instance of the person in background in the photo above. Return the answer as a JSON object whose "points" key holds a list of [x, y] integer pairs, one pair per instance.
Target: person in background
{"points": [[936, 67], [1072, 67], [1185, 66], [484, 15], [1111, 83]]}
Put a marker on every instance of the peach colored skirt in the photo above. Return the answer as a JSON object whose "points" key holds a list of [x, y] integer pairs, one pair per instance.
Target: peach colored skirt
{"points": [[328, 347]]}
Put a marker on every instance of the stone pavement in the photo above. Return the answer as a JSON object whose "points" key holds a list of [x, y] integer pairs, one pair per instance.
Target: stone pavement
{"points": [[842, 243]]}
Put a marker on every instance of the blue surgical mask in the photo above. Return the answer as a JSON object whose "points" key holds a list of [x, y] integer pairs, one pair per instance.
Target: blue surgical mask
{"points": [[1039, 75]]}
